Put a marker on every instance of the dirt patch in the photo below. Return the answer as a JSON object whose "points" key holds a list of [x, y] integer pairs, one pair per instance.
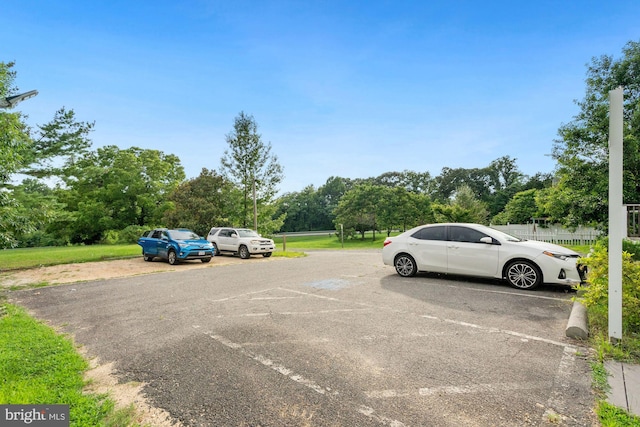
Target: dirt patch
{"points": [[82, 272], [102, 380]]}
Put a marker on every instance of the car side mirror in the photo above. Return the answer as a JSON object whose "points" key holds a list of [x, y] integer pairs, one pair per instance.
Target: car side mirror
{"points": [[488, 240]]}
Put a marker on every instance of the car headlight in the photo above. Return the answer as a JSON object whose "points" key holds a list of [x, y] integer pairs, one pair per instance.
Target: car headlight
{"points": [[554, 255], [183, 245]]}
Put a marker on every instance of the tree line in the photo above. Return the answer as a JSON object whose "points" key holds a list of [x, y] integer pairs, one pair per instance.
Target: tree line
{"points": [[73, 194]]}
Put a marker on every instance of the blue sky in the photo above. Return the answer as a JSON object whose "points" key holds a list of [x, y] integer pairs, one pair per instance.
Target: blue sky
{"points": [[339, 88]]}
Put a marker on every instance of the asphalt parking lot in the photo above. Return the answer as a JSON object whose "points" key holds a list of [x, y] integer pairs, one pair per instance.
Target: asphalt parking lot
{"points": [[332, 339]]}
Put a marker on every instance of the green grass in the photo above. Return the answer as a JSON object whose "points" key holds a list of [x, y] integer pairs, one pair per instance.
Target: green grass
{"points": [[15, 259], [331, 242], [39, 366]]}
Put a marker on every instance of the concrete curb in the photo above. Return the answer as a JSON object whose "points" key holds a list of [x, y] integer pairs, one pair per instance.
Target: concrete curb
{"points": [[577, 327]]}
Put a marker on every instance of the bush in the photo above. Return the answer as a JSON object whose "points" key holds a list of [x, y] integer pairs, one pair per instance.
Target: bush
{"points": [[596, 293], [128, 235], [131, 233], [629, 246]]}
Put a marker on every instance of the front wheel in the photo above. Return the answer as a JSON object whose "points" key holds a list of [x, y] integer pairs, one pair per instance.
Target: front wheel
{"points": [[244, 252], [205, 260], [216, 252], [172, 258], [405, 265], [147, 258], [267, 254], [523, 275]]}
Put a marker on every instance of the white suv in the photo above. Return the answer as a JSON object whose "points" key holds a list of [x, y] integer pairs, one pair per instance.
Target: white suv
{"points": [[240, 241]]}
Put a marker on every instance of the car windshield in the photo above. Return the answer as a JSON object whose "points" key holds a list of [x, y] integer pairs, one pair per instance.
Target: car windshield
{"points": [[247, 233], [183, 235], [507, 237]]}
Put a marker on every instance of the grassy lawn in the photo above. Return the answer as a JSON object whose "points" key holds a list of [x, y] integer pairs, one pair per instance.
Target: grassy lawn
{"points": [[39, 366], [329, 242], [14, 259]]}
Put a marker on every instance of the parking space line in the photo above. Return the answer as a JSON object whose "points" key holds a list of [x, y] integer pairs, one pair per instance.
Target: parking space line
{"points": [[520, 294], [502, 331], [562, 382], [452, 390], [291, 313], [300, 379], [240, 295]]}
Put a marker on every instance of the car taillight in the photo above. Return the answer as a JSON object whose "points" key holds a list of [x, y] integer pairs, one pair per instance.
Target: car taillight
{"points": [[386, 242]]}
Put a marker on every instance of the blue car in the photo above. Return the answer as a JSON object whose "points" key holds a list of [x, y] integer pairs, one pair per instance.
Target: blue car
{"points": [[175, 246]]}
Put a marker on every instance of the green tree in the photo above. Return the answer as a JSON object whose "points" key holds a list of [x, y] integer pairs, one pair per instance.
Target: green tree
{"points": [[200, 203], [465, 207], [416, 182], [520, 209], [111, 188], [37, 202], [582, 147], [248, 162], [15, 143], [15, 146], [401, 209], [359, 209], [304, 211], [57, 145]]}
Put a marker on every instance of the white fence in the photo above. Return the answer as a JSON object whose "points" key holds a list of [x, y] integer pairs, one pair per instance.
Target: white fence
{"points": [[552, 234]]}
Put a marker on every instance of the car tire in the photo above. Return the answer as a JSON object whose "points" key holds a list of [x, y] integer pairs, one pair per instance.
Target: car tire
{"points": [[205, 260], [523, 274], [266, 255], [172, 257], [243, 251], [216, 252], [147, 258], [405, 265]]}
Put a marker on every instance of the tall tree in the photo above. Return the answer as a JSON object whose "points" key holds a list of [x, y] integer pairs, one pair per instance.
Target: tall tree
{"points": [[582, 147], [249, 162], [465, 207], [57, 145], [15, 146], [401, 209], [359, 209], [200, 203], [111, 188], [15, 143], [304, 211], [521, 209]]}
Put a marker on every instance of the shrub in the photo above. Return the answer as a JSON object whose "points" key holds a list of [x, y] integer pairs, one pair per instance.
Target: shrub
{"points": [[131, 233], [596, 293]]}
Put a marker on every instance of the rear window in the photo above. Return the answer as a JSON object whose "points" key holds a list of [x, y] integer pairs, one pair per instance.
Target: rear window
{"points": [[430, 233]]}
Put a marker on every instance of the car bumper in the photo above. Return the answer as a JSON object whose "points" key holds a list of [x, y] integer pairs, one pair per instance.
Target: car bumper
{"points": [[195, 254], [564, 272], [261, 249]]}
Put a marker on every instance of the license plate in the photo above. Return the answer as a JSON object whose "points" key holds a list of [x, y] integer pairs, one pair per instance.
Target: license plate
{"points": [[201, 253]]}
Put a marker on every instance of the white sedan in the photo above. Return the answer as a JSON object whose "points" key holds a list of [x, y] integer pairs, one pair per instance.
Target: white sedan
{"points": [[481, 251]]}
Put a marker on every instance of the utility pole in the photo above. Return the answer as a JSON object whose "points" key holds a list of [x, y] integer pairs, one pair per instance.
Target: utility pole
{"points": [[255, 207], [616, 101]]}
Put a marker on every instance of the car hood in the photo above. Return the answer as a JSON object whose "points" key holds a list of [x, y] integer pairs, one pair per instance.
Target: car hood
{"points": [[194, 241], [544, 246]]}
